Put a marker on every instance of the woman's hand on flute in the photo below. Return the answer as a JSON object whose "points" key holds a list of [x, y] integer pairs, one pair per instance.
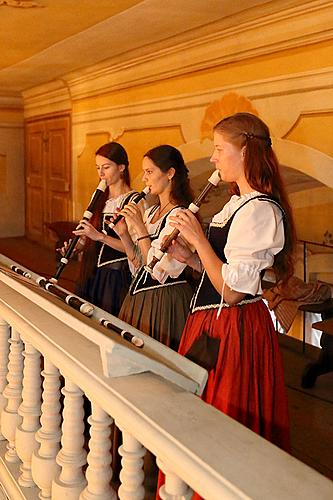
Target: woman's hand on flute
{"points": [[133, 217], [120, 228], [79, 247], [62, 250], [189, 227], [88, 230], [181, 252]]}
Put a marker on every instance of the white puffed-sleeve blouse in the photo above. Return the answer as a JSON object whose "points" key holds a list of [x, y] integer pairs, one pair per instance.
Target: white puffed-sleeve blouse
{"points": [[167, 266], [256, 234]]}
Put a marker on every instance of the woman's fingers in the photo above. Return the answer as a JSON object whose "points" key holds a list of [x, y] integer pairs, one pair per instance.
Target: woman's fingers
{"points": [[62, 250]]}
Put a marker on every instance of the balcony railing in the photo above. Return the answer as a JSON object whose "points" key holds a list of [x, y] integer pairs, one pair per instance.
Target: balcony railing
{"points": [[51, 356]]}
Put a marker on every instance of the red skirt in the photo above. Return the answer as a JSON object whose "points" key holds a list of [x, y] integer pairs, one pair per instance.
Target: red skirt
{"points": [[248, 382]]}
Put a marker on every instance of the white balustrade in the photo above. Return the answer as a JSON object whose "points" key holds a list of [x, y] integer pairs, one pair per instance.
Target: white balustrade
{"points": [[10, 418], [199, 447], [44, 466], [99, 471], [4, 351], [173, 488], [30, 410], [72, 456], [131, 474]]}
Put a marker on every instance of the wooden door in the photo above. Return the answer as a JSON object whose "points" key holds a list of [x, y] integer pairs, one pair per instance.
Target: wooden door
{"points": [[48, 169], [35, 164]]}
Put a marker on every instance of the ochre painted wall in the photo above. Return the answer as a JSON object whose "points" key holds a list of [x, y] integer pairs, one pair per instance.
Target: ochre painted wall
{"points": [[12, 204], [314, 130], [136, 143], [11, 115], [280, 63]]}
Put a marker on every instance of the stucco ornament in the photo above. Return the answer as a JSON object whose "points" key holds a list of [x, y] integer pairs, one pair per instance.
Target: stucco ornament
{"points": [[20, 3], [229, 104]]}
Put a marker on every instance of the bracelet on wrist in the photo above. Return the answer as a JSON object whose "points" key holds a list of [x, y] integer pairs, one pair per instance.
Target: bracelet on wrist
{"points": [[143, 237]]}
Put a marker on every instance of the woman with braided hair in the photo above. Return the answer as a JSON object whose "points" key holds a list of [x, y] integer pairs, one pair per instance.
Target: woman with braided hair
{"points": [[229, 329]]}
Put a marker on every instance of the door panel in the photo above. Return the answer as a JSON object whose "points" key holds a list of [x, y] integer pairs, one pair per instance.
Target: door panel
{"points": [[58, 171], [34, 181], [34, 214], [48, 160]]}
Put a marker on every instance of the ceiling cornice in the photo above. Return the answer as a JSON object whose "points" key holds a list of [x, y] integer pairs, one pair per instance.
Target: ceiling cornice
{"points": [[308, 81], [46, 99], [293, 27], [11, 102]]}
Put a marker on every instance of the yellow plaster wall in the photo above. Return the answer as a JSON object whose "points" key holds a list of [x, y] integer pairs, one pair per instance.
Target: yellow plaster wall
{"points": [[315, 130], [3, 174], [86, 173], [280, 63], [313, 221], [12, 205], [11, 115], [136, 143], [313, 211]]}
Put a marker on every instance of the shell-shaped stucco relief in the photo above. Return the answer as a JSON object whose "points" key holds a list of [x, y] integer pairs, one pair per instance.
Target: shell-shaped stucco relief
{"points": [[229, 104]]}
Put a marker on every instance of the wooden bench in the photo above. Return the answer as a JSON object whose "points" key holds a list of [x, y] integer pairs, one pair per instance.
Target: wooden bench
{"points": [[323, 308], [325, 326]]}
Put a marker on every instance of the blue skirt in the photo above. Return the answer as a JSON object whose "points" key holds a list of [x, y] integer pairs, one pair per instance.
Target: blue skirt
{"points": [[107, 287]]}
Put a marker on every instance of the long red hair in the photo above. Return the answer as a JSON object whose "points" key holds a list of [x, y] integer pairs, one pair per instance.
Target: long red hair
{"points": [[263, 173]]}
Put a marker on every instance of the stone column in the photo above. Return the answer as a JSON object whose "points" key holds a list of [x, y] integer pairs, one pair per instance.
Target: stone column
{"points": [[72, 456], [99, 471], [4, 352], [10, 418], [43, 465]]}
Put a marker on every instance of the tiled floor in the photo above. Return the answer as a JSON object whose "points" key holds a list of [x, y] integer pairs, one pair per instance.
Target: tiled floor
{"points": [[311, 410]]}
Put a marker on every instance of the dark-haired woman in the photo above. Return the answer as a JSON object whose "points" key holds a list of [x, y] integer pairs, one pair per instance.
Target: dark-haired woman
{"points": [[254, 231], [105, 274], [158, 305]]}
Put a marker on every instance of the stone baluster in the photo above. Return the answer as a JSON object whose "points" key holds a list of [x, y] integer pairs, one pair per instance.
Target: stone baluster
{"points": [[99, 471], [43, 465], [4, 352], [174, 488], [72, 456], [131, 475], [10, 418], [29, 410]]}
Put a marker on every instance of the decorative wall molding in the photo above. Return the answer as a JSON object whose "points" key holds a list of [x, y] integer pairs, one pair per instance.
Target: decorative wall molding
{"points": [[305, 159], [294, 27], [280, 102], [317, 85], [45, 99], [25, 4], [10, 125], [9, 102]]}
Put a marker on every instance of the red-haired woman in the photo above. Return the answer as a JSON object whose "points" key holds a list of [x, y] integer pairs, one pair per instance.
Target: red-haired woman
{"points": [[254, 231]]}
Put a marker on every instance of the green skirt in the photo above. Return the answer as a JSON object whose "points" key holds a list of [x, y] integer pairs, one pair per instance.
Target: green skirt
{"points": [[160, 313]]}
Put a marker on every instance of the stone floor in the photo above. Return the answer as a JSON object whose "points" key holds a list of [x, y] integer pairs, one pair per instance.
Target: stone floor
{"points": [[311, 410]]}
